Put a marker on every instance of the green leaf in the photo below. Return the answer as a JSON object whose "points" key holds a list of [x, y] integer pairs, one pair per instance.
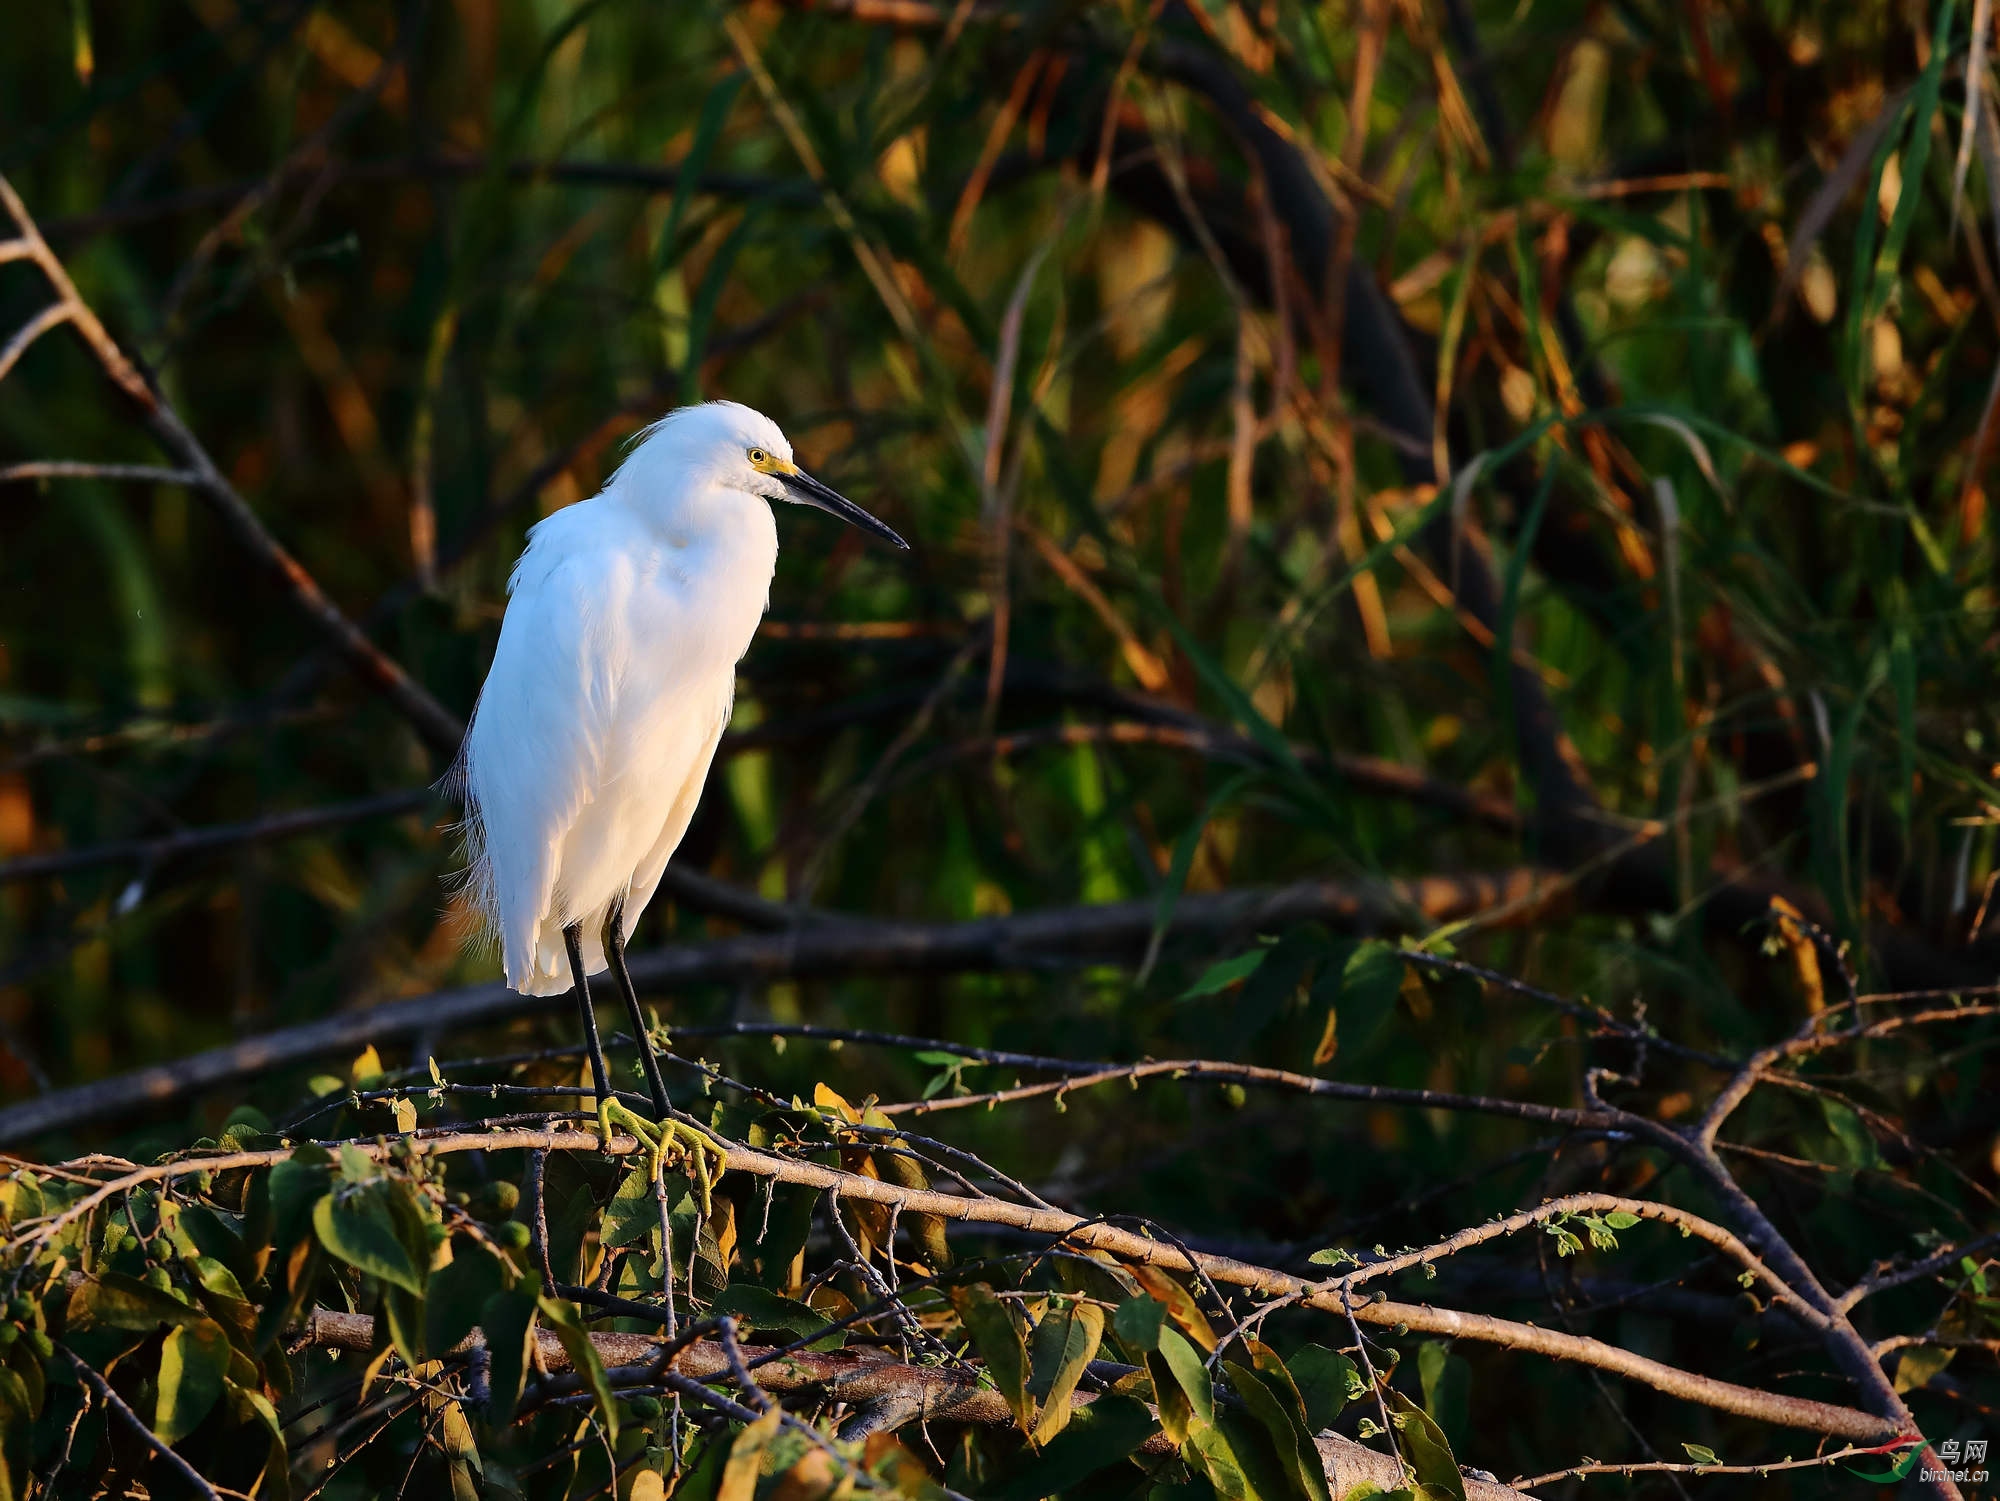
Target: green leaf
{"points": [[1268, 1474], [1189, 1373], [214, 1238], [27, 1368], [115, 1301], [457, 1294], [237, 1316], [1621, 1219], [216, 1278], [701, 308], [763, 1309], [1107, 1431], [1447, 1383], [998, 1339], [296, 1184], [902, 1169], [583, 1358], [1857, 1142], [1137, 1323], [405, 1314], [1220, 976], [1180, 1304], [1370, 981], [783, 1233], [509, 1324], [1207, 1449], [1065, 1344], [193, 1362], [633, 1212], [1326, 1381], [1701, 1454], [246, 1407], [357, 1226], [1903, 678], [16, 1421], [1178, 868], [1424, 1445], [1276, 1404], [714, 111]]}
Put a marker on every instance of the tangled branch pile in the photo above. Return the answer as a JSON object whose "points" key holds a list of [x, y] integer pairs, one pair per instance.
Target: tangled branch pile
{"points": [[496, 1293]]}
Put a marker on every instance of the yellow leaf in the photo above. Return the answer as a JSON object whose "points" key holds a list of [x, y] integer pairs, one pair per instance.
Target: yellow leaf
{"points": [[739, 1475], [374, 1369], [811, 1479], [829, 1099], [1079, 1328], [1181, 1307], [1329, 1039], [367, 1066], [1803, 951]]}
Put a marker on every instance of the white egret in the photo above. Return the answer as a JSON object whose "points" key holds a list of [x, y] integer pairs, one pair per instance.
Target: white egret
{"points": [[610, 687]]}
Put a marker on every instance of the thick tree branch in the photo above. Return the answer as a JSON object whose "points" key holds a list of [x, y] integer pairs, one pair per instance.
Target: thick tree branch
{"points": [[153, 852], [861, 1378], [1037, 940]]}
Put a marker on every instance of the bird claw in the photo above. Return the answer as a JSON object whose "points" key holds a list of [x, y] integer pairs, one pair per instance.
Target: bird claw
{"points": [[668, 1143]]}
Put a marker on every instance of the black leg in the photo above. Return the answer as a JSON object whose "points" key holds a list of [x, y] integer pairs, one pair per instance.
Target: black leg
{"points": [[600, 1075], [614, 950]]}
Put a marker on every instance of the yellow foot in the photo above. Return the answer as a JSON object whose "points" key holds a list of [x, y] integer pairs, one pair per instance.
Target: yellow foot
{"points": [[668, 1143]]}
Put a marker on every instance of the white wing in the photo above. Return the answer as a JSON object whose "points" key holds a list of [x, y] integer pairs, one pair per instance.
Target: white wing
{"points": [[609, 690], [534, 754], [646, 879]]}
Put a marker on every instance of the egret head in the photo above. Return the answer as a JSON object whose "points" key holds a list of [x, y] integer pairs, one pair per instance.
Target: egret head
{"points": [[744, 450]]}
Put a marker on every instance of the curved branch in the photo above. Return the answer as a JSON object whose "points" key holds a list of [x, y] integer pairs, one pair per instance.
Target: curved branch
{"points": [[1725, 1396]]}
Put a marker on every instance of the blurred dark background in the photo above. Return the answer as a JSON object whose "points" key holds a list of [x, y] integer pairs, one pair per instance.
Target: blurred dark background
{"points": [[1241, 373]]}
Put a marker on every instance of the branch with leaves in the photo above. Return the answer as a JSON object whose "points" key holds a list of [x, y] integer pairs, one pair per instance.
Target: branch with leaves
{"points": [[803, 1270]]}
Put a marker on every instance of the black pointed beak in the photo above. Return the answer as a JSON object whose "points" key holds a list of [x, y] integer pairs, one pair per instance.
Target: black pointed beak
{"points": [[807, 491]]}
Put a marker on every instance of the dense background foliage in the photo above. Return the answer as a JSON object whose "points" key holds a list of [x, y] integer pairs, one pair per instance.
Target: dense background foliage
{"points": [[1661, 348]]}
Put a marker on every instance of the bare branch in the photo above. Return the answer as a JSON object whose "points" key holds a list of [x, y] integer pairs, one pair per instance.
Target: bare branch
{"points": [[153, 852], [439, 728], [145, 1435], [1817, 1462], [156, 474], [1056, 938], [1084, 1076], [1886, 1278], [52, 316], [1589, 1203]]}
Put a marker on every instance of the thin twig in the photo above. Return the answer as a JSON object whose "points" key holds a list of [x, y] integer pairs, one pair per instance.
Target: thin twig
{"points": [[187, 1472]]}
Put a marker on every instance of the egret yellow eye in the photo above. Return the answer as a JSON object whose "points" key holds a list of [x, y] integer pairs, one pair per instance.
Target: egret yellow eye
{"points": [[759, 458]]}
